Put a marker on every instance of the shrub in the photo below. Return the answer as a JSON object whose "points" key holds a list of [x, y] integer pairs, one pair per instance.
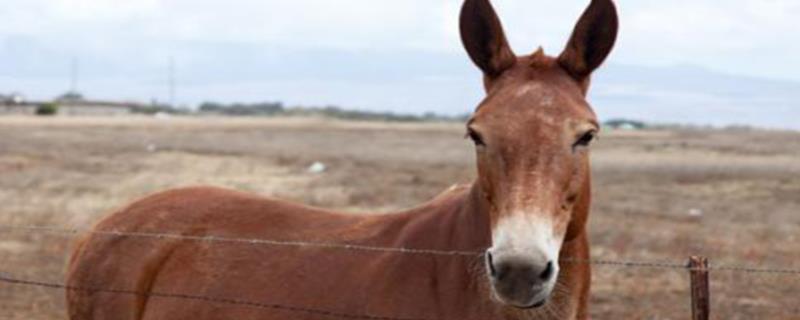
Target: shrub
{"points": [[47, 109]]}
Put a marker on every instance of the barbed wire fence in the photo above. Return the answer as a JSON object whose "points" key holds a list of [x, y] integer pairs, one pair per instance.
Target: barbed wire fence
{"points": [[7, 278], [698, 268]]}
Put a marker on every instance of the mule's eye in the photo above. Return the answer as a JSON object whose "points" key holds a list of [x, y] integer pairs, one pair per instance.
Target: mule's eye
{"points": [[475, 137], [585, 140]]}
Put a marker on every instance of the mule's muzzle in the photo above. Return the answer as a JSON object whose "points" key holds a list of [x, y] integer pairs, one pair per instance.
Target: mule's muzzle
{"points": [[521, 282]]}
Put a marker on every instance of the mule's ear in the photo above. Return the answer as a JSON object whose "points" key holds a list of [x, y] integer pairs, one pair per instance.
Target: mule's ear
{"points": [[592, 39], [483, 37]]}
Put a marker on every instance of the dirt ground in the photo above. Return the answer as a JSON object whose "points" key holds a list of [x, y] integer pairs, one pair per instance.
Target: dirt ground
{"points": [[733, 196]]}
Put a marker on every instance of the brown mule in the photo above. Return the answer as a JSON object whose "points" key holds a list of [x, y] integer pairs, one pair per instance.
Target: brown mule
{"points": [[527, 210]]}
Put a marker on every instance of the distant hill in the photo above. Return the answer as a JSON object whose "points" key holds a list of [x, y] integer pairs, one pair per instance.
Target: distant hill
{"points": [[277, 109], [401, 82], [696, 96]]}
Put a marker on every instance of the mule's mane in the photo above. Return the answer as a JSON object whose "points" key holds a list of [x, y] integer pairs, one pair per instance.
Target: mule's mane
{"points": [[538, 58]]}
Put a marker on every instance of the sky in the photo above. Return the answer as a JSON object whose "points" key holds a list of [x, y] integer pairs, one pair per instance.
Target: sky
{"points": [[741, 56]]}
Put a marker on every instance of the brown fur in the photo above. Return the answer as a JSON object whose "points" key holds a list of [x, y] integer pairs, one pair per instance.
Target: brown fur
{"points": [[539, 125]]}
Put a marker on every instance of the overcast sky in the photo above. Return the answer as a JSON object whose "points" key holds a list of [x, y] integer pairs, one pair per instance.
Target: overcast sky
{"points": [[373, 54]]}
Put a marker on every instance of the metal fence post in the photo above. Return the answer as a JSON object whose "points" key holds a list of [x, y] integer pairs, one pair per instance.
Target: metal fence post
{"points": [[701, 298]]}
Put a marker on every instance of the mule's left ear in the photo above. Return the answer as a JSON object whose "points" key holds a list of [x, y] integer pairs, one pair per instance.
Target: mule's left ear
{"points": [[592, 39]]}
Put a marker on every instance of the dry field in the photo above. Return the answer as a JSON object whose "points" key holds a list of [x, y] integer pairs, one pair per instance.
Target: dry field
{"points": [[733, 196]]}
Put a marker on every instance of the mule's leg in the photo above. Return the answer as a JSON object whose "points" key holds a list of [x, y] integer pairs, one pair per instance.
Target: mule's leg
{"points": [[102, 264], [78, 303]]}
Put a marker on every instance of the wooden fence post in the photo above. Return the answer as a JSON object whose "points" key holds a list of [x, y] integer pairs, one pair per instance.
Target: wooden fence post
{"points": [[701, 298]]}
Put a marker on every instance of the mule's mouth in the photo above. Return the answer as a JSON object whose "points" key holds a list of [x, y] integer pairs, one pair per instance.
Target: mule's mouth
{"points": [[537, 304], [537, 299]]}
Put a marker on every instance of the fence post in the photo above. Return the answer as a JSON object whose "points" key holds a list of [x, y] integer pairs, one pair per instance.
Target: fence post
{"points": [[701, 298]]}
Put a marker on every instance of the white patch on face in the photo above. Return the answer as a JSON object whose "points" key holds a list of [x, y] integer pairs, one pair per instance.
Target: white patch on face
{"points": [[547, 100], [546, 94], [527, 234], [528, 87]]}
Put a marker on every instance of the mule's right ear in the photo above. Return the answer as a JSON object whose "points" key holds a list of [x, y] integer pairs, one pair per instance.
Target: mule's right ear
{"points": [[483, 37]]}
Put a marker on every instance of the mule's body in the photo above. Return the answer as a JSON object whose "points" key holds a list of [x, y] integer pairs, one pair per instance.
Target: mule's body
{"points": [[391, 284], [527, 211]]}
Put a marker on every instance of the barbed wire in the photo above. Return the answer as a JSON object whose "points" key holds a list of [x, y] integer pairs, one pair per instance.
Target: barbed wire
{"points": [[8, 278], [629, 264], [399, 250], [251, 241], [683, 266], [755, 270]]}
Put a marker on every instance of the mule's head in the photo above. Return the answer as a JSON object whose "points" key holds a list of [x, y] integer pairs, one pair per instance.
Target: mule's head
{"points": [[532, 133]]}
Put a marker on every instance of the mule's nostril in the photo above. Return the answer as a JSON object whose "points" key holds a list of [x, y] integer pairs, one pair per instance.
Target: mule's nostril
{"points": [[490, 263], [548, 271]]}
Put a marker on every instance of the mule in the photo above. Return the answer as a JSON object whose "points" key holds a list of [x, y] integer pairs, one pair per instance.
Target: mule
{"points": [[525, 215]]}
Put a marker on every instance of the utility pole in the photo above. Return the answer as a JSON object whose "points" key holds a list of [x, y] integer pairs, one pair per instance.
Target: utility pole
{"points": [[171, 81], [73, 81]]}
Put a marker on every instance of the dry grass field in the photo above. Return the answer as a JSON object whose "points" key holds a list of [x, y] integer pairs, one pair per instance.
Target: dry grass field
{"points": [[733, 196]]}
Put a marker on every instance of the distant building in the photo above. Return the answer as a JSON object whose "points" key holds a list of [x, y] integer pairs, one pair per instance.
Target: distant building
{"points": [[14, 98], [624, 124], [73, 103], [15, 104], [94, 108], [18, 109], [69, 104]]}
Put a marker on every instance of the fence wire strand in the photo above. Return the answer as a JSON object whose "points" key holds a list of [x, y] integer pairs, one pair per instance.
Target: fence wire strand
{"points": [[398, 250], [266, 242], [629, 264], [8, 278]]}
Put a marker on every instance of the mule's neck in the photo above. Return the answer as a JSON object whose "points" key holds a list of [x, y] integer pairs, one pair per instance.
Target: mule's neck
{"points": [[472, 225]]}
